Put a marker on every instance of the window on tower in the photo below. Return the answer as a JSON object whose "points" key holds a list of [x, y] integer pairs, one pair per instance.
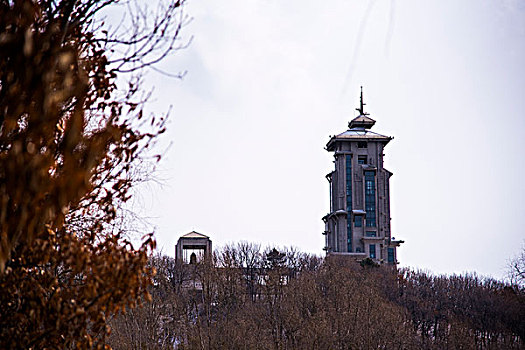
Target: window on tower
{"points": [[370, 198], [361, 159], [372, 249], [348, 171], [361, 144], [390, 255]]}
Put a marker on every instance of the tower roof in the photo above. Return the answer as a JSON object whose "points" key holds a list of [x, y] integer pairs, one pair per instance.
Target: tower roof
{"points": [[358, 129], [357, 134], [361, 133], [362, 121]]}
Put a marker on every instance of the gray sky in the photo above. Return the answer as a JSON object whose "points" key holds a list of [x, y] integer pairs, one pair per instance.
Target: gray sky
{"points": [[269, 80]]}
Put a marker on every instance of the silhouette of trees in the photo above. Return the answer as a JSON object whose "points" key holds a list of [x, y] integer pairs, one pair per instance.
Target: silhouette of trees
{"points": [[71, 141], [253, 298]]}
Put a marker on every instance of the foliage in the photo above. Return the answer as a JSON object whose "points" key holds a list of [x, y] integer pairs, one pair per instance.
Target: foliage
{"points": [[70, 141]]}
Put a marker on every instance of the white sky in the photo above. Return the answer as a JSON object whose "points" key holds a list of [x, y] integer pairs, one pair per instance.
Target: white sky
{"points": [[269, 80]]}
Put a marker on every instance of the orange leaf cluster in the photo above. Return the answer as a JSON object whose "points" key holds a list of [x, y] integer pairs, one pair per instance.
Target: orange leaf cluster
{"points": [[68, 148]]}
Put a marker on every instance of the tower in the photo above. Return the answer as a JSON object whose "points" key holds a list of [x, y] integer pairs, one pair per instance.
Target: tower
{"points": [[358, 224]]}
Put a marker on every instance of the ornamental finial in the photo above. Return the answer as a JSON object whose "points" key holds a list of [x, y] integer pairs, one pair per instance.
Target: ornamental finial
{"points": [[361, 108]]}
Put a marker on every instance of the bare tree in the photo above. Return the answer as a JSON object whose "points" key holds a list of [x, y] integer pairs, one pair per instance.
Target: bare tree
{"points": [[516, 269], [331, 303]]}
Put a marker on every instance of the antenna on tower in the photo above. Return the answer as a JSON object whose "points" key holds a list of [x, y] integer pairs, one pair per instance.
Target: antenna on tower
{"points": [[361, 108]]}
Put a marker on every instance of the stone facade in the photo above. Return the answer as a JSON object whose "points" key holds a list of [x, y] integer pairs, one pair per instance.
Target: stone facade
{"points": [[193, 247], [358, 224]]}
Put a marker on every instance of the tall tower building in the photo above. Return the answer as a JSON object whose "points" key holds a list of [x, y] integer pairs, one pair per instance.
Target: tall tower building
{"points": [[358, 224]]}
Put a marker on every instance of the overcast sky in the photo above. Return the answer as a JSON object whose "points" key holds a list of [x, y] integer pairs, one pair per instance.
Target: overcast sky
{"points": [[269, 80]]}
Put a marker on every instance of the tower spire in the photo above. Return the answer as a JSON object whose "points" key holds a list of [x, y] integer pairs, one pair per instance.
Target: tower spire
{"points": [[362, 120], [361, 108]]}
